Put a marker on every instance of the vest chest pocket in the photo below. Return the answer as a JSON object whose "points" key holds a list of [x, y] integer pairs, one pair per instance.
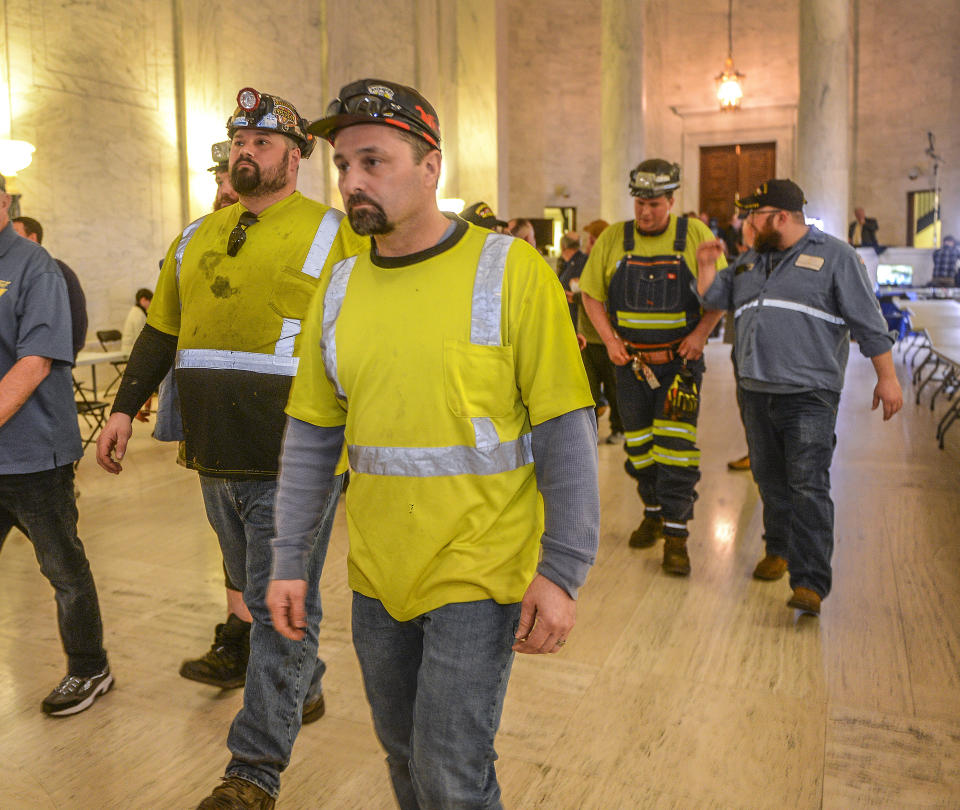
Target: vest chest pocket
{"points": [[478, 380], [292, 293], [653, 284]]}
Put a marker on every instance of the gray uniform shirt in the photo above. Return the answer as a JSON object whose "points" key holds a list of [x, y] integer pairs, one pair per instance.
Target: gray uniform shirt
{"points": [[795, 311], [35, 320]]}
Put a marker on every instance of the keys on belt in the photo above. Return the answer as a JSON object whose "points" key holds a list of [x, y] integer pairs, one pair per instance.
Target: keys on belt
{"points": [[641, 360]]}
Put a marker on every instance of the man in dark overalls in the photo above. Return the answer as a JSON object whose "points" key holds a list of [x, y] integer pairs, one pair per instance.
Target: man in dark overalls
{"points": [[639, 289]]}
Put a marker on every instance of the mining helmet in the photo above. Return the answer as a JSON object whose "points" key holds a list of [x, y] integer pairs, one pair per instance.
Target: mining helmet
{"points": [[220, 152], [654, 178], [375, 101], [256, 110]]}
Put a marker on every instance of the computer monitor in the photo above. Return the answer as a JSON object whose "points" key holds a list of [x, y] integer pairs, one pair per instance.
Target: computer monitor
{"points": [[894, 275]]}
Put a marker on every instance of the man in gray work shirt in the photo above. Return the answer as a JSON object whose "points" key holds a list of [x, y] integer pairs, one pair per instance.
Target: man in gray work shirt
{"points": [[797, 297]]}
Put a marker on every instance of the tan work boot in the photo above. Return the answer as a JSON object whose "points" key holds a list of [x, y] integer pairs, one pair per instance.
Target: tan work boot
{"points": [[235, 793], [648, 532], [675, 558], [806, 601], [740, 463], [770, 568]]}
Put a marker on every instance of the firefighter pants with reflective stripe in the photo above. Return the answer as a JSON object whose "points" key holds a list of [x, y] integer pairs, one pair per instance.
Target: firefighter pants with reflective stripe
{"points": [[662, 452]]}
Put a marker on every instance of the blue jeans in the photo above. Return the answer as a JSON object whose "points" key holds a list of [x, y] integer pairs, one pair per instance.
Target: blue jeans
{"points": [[42, 504], [280, 673], [791, 439], [436, 686]]}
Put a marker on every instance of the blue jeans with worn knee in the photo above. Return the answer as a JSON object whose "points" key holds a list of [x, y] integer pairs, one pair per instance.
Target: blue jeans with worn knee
{"points": [[436, 686], [280, 673], [43, 505], [791, 439]]}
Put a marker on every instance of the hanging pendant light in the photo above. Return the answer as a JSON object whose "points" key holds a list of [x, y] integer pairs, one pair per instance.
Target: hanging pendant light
{"points": [[729, 82]]}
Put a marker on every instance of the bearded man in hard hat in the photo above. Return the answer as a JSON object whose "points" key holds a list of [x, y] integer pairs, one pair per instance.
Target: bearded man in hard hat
{"points": [[229, 302]]}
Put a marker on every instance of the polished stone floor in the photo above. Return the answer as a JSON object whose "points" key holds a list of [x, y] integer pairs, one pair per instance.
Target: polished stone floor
{"points": [[705, 692]]}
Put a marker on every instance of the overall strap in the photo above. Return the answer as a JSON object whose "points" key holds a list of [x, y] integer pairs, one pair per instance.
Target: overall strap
{"points": [[680, 243], [628, 236]]}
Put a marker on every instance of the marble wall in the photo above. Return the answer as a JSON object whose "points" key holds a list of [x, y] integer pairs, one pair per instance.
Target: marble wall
{"points": [[122, 99]]}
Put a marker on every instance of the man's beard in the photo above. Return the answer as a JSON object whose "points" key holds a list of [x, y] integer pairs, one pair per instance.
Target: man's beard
{"points": [[367, 222], [768, 240], [255, 183]]}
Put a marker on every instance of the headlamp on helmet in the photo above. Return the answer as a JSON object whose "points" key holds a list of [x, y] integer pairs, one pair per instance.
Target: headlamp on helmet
{"points": [[256, 110], [654, 178], [220, 152]]}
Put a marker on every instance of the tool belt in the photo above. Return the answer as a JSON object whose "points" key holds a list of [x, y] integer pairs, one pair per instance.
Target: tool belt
{"points": [[653, 355], [645, 355]]}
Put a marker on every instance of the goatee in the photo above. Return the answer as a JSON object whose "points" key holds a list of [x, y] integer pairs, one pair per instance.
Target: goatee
{"points": [[371, 221]]}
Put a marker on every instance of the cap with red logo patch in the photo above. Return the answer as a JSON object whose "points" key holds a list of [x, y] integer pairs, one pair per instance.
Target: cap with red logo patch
{"points": [[376, 101]]}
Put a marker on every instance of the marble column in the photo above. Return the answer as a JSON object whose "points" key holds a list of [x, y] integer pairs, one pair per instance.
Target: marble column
{"points": [[622, 103], [823, 126]]}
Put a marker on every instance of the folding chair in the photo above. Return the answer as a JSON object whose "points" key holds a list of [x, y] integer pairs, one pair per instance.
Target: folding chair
{"points": [[92, 411], [105, 336]]}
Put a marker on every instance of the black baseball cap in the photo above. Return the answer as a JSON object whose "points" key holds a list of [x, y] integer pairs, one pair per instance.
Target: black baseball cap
{"points": [[783, 194], [377, 101], [481, 214]]}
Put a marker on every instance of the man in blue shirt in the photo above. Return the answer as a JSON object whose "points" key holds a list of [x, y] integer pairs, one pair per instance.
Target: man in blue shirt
{"points": [[39, 441], [946, 263], [797, 297]]}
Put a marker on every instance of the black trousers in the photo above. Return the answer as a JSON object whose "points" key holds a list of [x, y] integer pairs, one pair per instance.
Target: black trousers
{"points": [[662, 452]]}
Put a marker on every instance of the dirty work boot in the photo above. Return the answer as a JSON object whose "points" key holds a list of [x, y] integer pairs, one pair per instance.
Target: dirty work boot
{"points": [[237, 794], [648, 532], [770, 568], [675, 559], [806, 601], [225, 664]]}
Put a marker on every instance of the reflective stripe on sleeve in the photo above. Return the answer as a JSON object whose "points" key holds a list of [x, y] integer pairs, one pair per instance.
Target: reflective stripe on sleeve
{"points": [[237, 361]]}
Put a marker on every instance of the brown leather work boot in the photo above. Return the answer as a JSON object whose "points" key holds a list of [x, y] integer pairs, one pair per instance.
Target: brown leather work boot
{"points": [[806, 601], [235, 793], [675, 558], [648, 532], [770, 568], [740, 463]]}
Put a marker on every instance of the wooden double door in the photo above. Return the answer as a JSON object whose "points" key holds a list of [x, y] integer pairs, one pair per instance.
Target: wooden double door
{"points": [[737, 168]]}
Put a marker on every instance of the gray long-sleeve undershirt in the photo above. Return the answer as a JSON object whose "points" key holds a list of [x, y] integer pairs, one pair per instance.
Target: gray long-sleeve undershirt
{"points": [[565, 464]]}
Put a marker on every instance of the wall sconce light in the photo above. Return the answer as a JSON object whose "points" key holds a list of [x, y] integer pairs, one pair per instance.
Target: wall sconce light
{"points": [[15, 156], [729, 87]]}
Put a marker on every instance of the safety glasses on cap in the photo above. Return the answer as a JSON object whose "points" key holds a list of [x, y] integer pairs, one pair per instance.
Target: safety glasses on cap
{"points": [[238, 236], [383, 102]]}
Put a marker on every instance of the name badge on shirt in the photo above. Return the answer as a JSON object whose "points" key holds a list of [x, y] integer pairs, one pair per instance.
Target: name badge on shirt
{"points": [[810, 262]]}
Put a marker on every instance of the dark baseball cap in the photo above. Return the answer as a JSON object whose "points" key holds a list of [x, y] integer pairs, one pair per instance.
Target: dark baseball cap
{"points": [[783, 194], [481, 214], [377, 101]]}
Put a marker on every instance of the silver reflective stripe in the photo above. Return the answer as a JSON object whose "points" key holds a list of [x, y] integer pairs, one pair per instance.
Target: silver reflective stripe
{"points": [[288, 336], [485, 434], [185, 237], [322, 242], [812, 311], [237, 361], [488, 290], [748, 305], [332, 304], [312, 266], [425, 462]]}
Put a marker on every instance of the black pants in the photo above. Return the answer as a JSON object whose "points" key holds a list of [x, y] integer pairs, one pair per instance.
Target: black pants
{"points": [[601, 371], [661, 452]]}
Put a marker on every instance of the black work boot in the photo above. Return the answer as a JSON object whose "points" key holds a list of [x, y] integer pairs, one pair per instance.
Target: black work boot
{"points": [[675, 558], [225, 664], [648, 532]]}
